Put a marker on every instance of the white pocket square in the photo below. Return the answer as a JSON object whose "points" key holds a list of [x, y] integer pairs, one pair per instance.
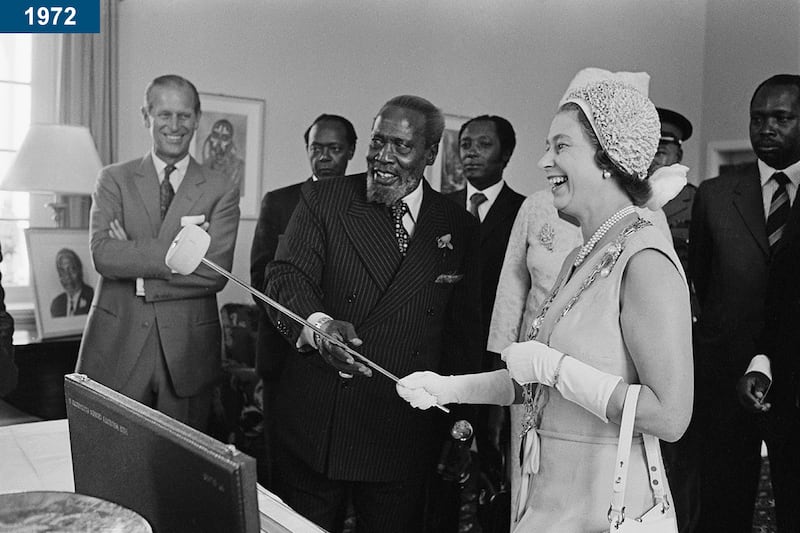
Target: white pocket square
{"points": [[195, 220]]}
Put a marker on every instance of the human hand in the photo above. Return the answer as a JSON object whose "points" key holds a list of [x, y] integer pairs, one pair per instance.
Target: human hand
{"points": [[752, 390], [116, 231], [532, 362], [337, 356], [424, 390]]}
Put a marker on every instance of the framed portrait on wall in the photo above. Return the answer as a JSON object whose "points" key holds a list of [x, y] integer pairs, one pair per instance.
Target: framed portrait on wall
{"points": [[229, 139], [445, 175], [63, 280]]}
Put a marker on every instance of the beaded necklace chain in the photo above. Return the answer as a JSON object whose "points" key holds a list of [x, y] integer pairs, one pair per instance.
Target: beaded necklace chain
{"points": [[600, 232], [534, 397]]}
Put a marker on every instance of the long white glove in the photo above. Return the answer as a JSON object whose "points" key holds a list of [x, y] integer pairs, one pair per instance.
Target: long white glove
{"points": [[423, 390], [534, 362]]}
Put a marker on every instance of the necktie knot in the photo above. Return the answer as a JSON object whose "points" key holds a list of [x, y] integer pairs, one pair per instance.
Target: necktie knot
{"points": [[474, 201], [399, 210], [166, 192], [781, 178]]}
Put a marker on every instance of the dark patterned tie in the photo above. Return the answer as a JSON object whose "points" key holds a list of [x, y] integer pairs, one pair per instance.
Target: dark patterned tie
{"points": [[167, 193], [399, 209], [474, 201], [779, 209]]}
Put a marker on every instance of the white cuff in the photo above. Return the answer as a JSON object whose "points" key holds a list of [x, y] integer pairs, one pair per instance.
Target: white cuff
{"points": [[760, 363], [306, 337]]}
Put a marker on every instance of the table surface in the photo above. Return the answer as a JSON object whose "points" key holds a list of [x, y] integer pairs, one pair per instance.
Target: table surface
{"points": [[36, 456]]}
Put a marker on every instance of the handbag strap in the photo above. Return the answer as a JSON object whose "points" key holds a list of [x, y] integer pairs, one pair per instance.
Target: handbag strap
{"points": [[616, 512]]}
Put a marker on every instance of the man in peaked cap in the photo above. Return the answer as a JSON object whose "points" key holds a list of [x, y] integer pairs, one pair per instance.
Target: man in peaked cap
{"points": [[675, 129]]}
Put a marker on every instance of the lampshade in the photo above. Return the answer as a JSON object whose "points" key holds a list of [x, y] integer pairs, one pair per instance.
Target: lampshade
{"points": [[54, 158]]}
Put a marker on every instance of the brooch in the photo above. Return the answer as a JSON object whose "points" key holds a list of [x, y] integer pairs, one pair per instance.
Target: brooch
{"points": [[547, 235]]}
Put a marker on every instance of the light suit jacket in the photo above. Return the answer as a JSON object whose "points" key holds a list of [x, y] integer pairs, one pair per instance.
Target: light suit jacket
{"points": [[183, 309]]}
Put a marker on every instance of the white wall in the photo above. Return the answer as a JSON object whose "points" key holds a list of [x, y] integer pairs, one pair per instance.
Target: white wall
{"points": [[512, 58]]}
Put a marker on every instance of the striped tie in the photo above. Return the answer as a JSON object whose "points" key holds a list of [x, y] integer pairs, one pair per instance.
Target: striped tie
{"points": [[779, 209]]}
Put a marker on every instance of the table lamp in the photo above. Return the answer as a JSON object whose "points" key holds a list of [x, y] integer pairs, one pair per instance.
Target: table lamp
{"points": [[55, 158]]}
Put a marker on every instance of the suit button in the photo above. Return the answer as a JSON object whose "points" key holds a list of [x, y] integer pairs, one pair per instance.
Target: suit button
{"points": [[415, 353], [145, 324], [430, 311], [351, 298]]}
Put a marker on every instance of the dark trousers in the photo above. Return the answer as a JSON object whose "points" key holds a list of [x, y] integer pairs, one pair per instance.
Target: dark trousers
{"points": [[151, 385], [782, 434], [380, 507], [729, 441]]}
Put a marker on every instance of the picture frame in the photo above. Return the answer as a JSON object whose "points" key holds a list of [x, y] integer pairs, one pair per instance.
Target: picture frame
{"points": [[58, 315], [445, 174], [230, 139]]}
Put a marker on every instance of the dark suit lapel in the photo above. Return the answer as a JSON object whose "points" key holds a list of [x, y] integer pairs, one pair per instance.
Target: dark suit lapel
{"points": [[501, 208], [421, 262], [749, 202], [186, 196], [369, 228]]}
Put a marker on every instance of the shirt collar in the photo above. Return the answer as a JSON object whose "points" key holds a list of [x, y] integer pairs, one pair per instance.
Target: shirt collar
{"points": [[792, 172], [414, 201], [490, 192], [160, 165]]}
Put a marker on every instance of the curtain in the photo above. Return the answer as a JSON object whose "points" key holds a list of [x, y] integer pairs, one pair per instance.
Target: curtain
{"points": [[88, 93]]}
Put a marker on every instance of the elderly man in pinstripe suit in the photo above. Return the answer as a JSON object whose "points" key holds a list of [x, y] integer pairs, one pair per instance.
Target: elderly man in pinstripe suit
{"points": [[384, 262]]}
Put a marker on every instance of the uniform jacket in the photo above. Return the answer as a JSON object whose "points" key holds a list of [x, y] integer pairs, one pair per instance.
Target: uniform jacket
{"points": [[422, 312], [183, 309]]}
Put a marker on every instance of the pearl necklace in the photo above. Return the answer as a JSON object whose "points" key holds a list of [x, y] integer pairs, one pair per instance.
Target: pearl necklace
{"points": [[600, 232]]}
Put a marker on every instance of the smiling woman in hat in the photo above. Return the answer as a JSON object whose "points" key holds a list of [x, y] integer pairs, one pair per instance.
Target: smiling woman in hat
{"points": [[618, 315]]}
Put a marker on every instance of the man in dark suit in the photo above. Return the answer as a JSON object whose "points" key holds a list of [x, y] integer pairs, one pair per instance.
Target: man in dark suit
{"points": [[485, 147], [330, 144], [385, 263], [153, 335], [486, 144], [732, 249], [77, 296], [775, 130]]}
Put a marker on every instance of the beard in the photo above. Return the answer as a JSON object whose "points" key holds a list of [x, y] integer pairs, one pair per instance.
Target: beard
{"points": [[388, 194]]}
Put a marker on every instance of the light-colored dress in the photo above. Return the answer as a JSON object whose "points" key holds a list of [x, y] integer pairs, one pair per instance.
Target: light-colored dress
{"points": [[537, 247], [571, 490]]}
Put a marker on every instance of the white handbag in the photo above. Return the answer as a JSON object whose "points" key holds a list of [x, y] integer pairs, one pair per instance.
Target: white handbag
{"points": [[660, 518]]}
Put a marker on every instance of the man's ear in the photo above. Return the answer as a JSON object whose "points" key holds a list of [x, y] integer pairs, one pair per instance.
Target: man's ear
{"points": [[146, 117], [505, 158], [350, 152], [430, 157]]}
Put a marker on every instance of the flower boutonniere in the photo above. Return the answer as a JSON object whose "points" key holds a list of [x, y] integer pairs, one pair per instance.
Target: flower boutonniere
{"points": [[444, 242]]}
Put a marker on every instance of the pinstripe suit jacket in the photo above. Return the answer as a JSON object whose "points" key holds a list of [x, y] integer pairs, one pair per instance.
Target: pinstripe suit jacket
{"points": [[183, 309], [339, 256]]}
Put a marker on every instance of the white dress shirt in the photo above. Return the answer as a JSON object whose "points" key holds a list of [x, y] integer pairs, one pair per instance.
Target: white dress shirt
{"points": [[491, 193]]}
